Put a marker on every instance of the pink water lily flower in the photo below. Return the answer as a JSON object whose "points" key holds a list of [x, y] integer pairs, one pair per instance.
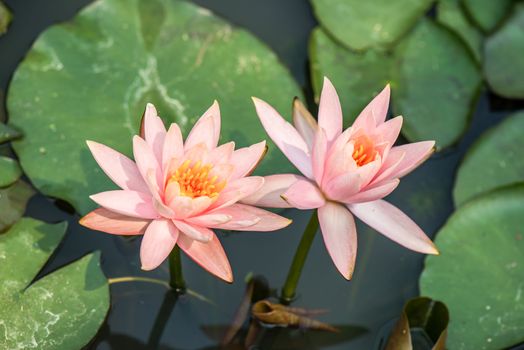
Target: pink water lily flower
{"points": [[176, 192], [345, 172]]}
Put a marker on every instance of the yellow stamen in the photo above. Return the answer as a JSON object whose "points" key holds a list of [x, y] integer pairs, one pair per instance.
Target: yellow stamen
{"points": [[364, 151], [195, 181]]}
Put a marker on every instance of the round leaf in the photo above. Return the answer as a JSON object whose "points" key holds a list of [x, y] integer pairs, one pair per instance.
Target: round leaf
{"points": [[479, 271], [9, 171], [450, 14], [91, 79], [62, 310], [487, 14], [435, 84], [504, 66], [358, 77], [495, 160], [364, 24], [13, 200]]}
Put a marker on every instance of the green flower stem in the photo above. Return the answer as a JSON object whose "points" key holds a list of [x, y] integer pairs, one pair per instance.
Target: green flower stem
{"points": [[288, 292], [176, 280]]}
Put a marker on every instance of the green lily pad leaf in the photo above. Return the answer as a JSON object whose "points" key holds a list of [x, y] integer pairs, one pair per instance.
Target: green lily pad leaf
{"points": [[450, 14], [423, 321], [13, 201], [62, 310], [7, 133], [5, 18], [9, 171], [479, 271], [363, 24], [358, 77], [435, 84], [487, 14], [91, 78], [495, 160], [503, 50]]}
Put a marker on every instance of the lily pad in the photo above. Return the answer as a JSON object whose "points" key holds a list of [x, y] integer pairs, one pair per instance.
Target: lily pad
{"points": [[487, 14], [495, 160], [479, 271], [91, 78], [504, 66], [435, 84], [357, 76], [364, 24], [9, 171], [5, 18], [422, 324], [450, 14], [13, 201], [7, 133], [62, 310]]}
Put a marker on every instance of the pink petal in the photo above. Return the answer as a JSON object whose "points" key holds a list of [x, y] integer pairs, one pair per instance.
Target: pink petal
{"points": [[145, 159], [340, 236], [210, 256], [304, 122], [394, 224], [120, 169], [159, 240], [173, 145], [415, 154], [392, 161], [287, 139], [304, 195], [373, 193], [206, 129], [368, 171], [202, 234], [375, 112], [129, 203], [237, 190], [185, 206], [269, 195], [390, 130], [222, 153], [319, 155], [210, 220], [339, 161], [158, 203], [154, 130], [248, 218], [343, 186], [107, 221], [246, 159], [329, 111]]}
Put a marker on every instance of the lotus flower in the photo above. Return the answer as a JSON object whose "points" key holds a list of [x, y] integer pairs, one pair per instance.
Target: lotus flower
{"points": [[345, 172], [176, 192]]}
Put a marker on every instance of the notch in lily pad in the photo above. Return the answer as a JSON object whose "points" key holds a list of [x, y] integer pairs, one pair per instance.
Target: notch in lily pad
{"points": [[422, 325]]}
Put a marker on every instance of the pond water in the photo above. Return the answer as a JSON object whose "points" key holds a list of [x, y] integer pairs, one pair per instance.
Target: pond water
{"points": [[147, 316]]}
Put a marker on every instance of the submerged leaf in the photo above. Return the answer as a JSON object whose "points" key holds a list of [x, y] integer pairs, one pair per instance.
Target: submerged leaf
{"points": [[479, 271], [13, 201], [9, 171], [113, 58], [62, 310]]}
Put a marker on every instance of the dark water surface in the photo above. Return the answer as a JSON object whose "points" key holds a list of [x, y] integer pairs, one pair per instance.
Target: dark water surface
{"points": [[146, 316]]}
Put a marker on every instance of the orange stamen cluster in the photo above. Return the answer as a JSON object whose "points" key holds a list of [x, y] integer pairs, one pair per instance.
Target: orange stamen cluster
{"points": [[195, 180], [364, 151]]}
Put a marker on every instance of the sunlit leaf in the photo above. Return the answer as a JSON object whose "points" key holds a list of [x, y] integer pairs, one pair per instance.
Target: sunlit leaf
{"points": [[494, 160], [364, 24], [504, 66], [91, 78], [451, 14], [479, 271], [62, 310]]}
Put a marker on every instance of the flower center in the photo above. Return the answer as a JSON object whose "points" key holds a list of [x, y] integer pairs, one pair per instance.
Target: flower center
{"points": [[364, 151], [195, 180]]}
